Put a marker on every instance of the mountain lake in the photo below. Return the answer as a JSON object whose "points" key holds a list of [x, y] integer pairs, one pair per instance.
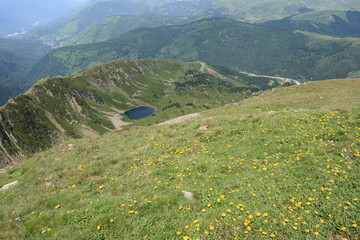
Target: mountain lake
{"points": [[140, 112]]}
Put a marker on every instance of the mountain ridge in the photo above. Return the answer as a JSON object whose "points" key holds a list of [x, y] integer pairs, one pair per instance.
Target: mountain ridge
{"points": [[91, 102], [61, 34], [332, 23]]}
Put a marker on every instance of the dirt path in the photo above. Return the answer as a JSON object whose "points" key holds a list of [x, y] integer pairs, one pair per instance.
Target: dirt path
{"points": [[206, 68], [272, 77], [178, 119]]}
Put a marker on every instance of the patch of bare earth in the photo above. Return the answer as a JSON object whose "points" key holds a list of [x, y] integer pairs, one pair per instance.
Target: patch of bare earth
{"points": [[179, 119], [205, 68], [116, 120]]}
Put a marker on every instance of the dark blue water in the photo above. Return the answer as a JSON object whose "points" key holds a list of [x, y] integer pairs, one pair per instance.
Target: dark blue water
{"points": [[140, 112]]}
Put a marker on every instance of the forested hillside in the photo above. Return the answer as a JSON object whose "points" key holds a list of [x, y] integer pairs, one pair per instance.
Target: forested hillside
{"points": [[17, 57]]}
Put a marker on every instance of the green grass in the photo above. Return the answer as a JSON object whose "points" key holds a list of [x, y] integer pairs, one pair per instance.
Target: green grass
{"points": [[282, 165]]}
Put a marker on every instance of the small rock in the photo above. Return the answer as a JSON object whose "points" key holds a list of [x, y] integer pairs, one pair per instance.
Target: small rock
{"points": [[204, 127], [188, 195], [7, 186]]}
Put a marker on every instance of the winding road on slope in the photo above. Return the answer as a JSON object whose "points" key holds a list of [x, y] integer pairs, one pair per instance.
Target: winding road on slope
{"points": [[272, 77]]}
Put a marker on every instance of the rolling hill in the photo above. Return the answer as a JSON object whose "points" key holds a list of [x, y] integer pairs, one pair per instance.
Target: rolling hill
{"points": [[282, 165], [92, 102], [278, 51]]}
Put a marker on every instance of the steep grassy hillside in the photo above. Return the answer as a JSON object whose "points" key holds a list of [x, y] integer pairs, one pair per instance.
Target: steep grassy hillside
{"points": [[280, 51], [92, 102], [17, 57], [282, 165]]}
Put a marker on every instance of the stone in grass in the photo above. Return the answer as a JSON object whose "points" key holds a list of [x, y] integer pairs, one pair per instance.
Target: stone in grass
{"points": [[188, 195], [7, 186]]}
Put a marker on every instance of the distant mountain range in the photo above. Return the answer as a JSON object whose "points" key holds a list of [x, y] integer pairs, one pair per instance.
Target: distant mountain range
{"points": [[17, 15], [92, 102], [271, 50], [87, 20], [294, 47]]}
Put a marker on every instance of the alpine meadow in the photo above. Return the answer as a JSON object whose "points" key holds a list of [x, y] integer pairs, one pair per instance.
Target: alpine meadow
{"points": [[180, 120]]}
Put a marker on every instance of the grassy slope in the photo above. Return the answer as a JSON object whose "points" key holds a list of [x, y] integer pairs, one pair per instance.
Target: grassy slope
{"points": [[218, 41], [283, 165]]}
